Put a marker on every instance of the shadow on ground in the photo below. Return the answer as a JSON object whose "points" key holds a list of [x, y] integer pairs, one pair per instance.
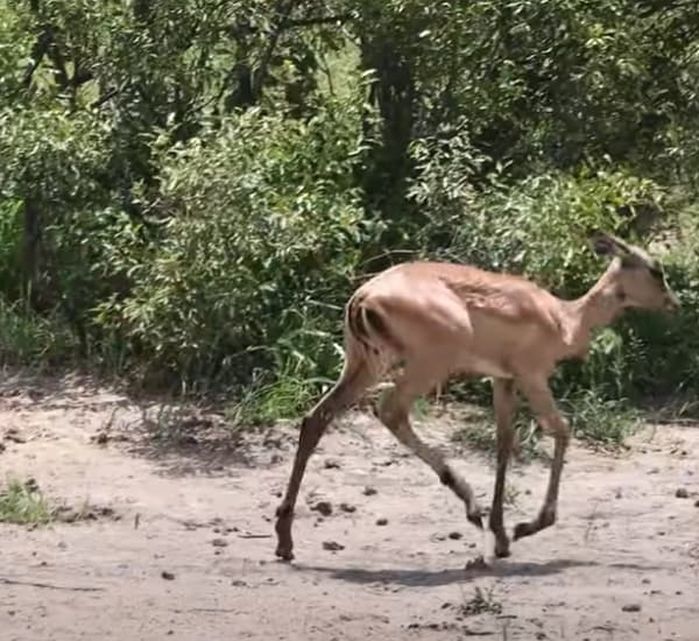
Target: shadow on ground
{"points": [[432, 578]]}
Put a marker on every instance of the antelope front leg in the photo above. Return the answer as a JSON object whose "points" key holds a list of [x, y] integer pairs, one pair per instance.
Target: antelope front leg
{"points": [[552, 422], [505, 405]]}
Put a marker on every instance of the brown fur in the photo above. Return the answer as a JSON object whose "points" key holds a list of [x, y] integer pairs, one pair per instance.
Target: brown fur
{"points": [[438, 319]]}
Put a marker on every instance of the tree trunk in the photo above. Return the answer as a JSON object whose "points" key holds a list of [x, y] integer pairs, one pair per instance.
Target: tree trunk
{"points": [[389, 165], [31, 251]]}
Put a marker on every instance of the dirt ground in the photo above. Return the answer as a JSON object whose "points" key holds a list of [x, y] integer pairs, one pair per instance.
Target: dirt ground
{"points": [[188, 552]]}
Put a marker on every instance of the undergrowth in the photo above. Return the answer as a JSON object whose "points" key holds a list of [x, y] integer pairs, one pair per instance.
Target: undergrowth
{"points": [[23, 503], [593, 419]]}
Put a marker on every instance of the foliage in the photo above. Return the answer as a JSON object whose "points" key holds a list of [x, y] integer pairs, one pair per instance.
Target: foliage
{"points": [[242, 259], [600, 421], [23, 503], [31, 339], [190, 189]]}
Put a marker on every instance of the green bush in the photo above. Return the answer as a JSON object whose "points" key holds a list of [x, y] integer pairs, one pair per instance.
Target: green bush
{"points": [[10, 247], [23, 504], [261, 229], [538, 227], [36, 340]]}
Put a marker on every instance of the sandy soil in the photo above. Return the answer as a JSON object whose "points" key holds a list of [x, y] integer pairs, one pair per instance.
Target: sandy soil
{"points": [[188, 553]]}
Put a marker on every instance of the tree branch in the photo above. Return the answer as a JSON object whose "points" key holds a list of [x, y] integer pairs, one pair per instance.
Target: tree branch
{"points": [[245, 29], [96, 104], [283, 11], [39, 50], [56, 57], [318, 20]]}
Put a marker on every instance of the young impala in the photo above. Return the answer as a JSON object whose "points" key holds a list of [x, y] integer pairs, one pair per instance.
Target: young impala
{"points": [[439, 319]]}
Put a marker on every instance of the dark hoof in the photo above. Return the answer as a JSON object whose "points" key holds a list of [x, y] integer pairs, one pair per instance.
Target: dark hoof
{"points": [[502, 551], [476, 519], [522, 530], [284, 553], [544, 520]]}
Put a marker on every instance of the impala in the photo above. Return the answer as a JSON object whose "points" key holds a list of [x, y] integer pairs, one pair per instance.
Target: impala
{"points": [[441, 319]]}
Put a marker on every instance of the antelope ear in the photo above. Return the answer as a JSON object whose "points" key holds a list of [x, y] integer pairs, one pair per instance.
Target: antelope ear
{"points": [[607, 245]]}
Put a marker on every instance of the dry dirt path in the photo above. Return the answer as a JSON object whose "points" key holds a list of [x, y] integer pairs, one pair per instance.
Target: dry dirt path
{"points": [[203, 513]]}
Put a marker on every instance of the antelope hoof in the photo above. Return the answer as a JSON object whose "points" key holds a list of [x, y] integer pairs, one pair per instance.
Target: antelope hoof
{"points": [[476, 519], [474, 514], [544, 520], [502, 548], [521, 530], [284, 553]]}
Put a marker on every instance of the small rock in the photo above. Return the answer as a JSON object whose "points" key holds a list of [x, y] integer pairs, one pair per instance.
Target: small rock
{"points": [[631, 607], [346, 507], [681, 493], [381, 521], [696, 503], [646, 581], [333, 546], [369, 491], [331, 464], [168, 576], [324, 507], [239, 583], [13, 435], [102, 438], [455, 536], [219, 543]]}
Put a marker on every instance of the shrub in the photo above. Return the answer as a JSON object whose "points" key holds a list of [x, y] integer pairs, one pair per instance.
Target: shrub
{"points": [[260, 229]]}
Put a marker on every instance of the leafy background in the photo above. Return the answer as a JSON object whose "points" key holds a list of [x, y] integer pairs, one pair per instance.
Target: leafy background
{"points": [[190, 189]]}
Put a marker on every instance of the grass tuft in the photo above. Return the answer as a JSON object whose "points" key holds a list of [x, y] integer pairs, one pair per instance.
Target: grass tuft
{"points": [[23, 504], [598, 421]]}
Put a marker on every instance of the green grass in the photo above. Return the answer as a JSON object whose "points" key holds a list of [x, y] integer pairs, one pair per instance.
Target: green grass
{"points": [[598, 421], [29, 339], [482, 602], [479, 433], [23, 504]]}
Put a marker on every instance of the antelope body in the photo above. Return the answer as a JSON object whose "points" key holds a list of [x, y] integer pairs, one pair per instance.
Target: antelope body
{"points": [[441, 319]]}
